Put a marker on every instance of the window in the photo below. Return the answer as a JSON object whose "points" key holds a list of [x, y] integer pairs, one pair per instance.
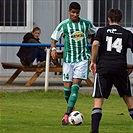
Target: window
{"points": [[102, 6], [16, 15]]}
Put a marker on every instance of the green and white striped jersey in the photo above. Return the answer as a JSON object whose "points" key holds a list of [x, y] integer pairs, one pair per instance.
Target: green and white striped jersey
{"points": [[75, 35]]}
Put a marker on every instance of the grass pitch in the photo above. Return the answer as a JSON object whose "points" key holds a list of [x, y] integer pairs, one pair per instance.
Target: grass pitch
{"points": [[41, 112]]}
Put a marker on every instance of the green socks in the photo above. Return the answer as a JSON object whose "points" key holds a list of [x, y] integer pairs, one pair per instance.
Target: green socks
{"points": [[71, 95], [74, 95], [67, 92]]}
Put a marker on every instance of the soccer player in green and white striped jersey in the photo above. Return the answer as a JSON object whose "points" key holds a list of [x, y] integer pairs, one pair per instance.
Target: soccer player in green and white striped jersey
{"points": [[76, 54], [76, 37]]}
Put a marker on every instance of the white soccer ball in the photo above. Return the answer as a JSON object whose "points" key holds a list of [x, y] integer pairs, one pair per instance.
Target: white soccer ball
{"points": [[76, 118]]}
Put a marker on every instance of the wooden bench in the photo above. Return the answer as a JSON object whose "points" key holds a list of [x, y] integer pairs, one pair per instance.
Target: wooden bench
{"points": [[38, 70], [129, 68], [35, 69], [19, 68]]}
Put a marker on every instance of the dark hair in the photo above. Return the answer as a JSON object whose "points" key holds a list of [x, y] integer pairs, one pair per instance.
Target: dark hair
{"points": [[35, 29], [115, 15], [74, 5]]}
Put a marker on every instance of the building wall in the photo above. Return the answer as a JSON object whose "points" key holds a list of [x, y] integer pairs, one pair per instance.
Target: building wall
{"points": [[46, 15]]}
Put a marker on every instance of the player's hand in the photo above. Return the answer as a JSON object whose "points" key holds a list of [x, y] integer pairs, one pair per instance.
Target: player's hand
{"points": [[53, 54], [93, 68]]}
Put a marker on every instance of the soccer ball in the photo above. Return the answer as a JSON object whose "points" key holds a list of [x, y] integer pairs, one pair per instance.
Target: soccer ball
{"points": [[76, 118]]}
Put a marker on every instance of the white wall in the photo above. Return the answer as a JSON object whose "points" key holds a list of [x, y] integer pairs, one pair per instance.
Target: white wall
{"points": [[46, 15]]}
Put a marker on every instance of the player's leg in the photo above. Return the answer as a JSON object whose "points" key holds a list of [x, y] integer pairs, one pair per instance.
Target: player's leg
{"points": [[129, 102], [124, 89], [73, 72], [71, 100], [73, 96], [96, 114], [67, 79], [80, 71], [67, 92], [101, 90]]}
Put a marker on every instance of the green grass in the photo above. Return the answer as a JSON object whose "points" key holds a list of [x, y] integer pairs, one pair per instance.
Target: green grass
{"points": [[41, 112]]}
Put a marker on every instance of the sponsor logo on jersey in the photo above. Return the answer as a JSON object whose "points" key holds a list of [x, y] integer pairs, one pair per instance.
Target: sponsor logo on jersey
{"points": [[111, 30], [77, 36]]}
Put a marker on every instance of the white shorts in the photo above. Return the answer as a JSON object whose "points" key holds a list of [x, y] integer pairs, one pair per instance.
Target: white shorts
{"points": [[75, 70]]}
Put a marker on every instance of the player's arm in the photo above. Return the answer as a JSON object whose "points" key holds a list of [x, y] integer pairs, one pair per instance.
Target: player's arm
{"points": [[91, 32], [92, 29], [53, 49], [130, 41], [56, 35], [90, 38], [94, 56], [94, 51]]}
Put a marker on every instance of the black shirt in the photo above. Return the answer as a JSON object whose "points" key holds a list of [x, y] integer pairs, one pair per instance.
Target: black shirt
{"points": [[114, 41]]}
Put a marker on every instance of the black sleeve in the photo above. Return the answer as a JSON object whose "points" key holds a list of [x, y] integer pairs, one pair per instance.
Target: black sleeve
{"points": [[130, 41], [98, 35]]}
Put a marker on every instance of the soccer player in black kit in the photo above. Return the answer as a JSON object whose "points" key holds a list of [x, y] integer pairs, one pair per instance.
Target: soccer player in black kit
{"points": [[109, 65]]}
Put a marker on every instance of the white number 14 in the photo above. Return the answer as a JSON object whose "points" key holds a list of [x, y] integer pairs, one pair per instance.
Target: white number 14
{"points": [[117, 44]]}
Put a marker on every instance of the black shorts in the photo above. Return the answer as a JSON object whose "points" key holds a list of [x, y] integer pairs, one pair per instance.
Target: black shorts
{"points": [[103, 84]]}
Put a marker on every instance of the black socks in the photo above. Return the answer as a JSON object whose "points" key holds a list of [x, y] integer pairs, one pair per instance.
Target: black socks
{"points": [[96, 117]]}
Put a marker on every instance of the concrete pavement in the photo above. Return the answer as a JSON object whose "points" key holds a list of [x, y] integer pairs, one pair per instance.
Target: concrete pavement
{"points": [[55, 83]]}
